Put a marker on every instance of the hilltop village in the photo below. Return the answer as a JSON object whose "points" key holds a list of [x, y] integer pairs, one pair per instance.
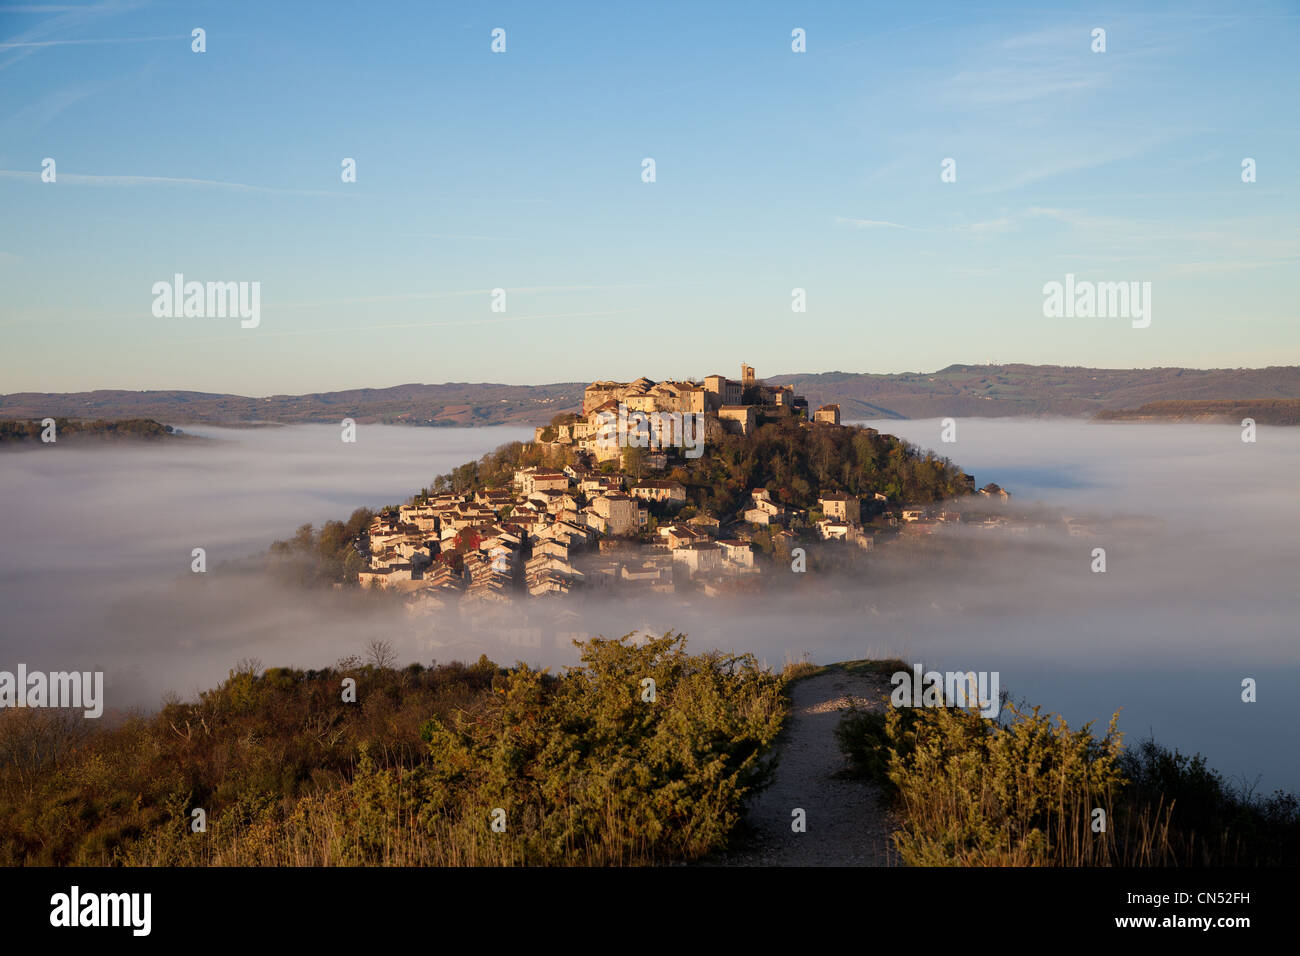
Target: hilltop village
{"points": [[609, 511]]}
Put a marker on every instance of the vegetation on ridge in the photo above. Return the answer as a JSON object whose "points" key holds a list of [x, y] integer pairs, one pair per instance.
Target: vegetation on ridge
{"points": [[585, 769], [65, 428], [1026, 791]]}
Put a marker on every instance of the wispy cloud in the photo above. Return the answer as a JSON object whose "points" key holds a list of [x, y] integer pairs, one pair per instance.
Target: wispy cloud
{"points": [[459, 293], [1041, 65], [62, 314], [66, 18], [1186, 248], [869, 223], [985, 227], [85, 179], [102, 40], [49, 106], [888, 33], [54, 8], [1093, 257], [436, 325], [1000, 86], [981, 228], [1245, 240], [448, 235], [1068, 160], [1232, 265], [351, 192]]}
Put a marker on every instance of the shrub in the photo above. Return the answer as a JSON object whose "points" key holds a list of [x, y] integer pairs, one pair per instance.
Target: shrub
{"points": [[971, 791], [585, 769], [1212, 822]]}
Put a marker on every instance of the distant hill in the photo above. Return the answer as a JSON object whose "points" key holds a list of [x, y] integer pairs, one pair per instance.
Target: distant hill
{"points": [[958, 390], [1269, 411], [1033, 390], [455, 403], [118, 430]]}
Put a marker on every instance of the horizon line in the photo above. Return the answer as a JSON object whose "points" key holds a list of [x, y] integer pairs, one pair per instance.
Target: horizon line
{"points": [[585, 382]]}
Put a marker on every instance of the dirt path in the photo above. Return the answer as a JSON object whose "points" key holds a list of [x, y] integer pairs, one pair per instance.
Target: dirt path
{"points": [[846, 824]]}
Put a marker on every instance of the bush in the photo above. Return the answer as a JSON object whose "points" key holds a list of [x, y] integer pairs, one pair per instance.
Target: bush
{"points": [[974, 793], [1212, 822], [971, 791], [863, 736], [589, 772], [586, 771]]}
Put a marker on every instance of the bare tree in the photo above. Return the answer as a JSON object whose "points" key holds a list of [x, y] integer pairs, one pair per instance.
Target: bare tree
{"points": [[249, 665], [381, 654]]}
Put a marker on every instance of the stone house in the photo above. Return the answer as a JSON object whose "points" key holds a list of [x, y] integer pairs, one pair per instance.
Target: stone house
{"points": [[673, 492], [739, 419], [843, 506], [619, 512], [700, 556], [737, 552]]}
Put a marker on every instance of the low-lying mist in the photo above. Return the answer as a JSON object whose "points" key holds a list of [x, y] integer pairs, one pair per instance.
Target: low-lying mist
{"points": [[95, 575]]}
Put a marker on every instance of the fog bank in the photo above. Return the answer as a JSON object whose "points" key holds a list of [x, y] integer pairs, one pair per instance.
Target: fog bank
{"points": [[95, 574]]}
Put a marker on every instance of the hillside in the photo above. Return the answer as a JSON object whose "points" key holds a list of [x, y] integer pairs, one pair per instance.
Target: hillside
{"points": [[1033, 390], [797, 464], [1269, 411], [434, 766], [135, 429], [453, 403], [958, 390], [287, 772]]}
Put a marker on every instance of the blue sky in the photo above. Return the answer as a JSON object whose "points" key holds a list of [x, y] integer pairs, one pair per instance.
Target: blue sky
{"points": [[522, 170]]}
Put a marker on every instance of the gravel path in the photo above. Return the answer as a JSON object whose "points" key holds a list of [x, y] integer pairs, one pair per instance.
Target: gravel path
{"points": [[846, 824]]}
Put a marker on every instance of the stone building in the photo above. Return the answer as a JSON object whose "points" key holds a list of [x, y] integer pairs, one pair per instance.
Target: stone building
{"points": [[618, 512], [830, 414], [741, 418], [843, 506]]}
